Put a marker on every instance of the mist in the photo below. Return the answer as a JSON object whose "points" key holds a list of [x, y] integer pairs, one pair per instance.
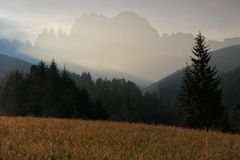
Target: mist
{"points": [[114, 41], [125, 43]]}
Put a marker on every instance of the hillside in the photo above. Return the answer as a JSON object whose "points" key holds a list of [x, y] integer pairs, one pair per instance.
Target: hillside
{"points": [[35, 138], [225, 60], [9, 64]]}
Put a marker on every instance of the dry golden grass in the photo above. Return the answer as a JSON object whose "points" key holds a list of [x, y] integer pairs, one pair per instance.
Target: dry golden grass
{"points": [[35, 138]]}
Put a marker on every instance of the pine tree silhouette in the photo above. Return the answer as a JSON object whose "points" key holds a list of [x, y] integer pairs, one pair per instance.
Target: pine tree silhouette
{"points": [[200, 98]]}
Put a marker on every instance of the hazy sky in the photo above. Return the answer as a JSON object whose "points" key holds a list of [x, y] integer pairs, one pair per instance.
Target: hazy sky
{"points": [[24, 19]]}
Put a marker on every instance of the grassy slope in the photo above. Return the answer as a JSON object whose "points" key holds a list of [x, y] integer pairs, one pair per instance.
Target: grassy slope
{"points": [[33, 138]]}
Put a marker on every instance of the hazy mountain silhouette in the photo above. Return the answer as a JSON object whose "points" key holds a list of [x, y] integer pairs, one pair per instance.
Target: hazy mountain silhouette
{"points": [[14, 48], [122, 46], [126, 43], [226, 59]]}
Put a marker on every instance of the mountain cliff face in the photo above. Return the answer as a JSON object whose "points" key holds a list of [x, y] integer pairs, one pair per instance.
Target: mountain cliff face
{"points": [[120, 43], [126, 43], [225, 60]]}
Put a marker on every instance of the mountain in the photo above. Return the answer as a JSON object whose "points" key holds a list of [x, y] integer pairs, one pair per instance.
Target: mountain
{"points": [[124, 46], [15, 49], [225, 60], [168, 87], [9, 64], [126, 43], [101, 43]]}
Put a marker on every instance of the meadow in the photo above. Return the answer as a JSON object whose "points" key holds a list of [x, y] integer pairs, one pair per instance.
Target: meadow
{"points": [[43, 138]]}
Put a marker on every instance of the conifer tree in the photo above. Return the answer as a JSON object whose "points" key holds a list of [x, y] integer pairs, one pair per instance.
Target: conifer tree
{"points": [[200, 98], [36, 89], [13, 95]]}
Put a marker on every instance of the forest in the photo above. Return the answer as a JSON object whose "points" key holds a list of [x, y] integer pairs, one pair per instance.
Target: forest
{"points": [[47, 91]]}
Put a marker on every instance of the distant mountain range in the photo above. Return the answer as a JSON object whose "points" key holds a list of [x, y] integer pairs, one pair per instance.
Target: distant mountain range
{"points": [[15, 49], [123, 46], [126, 43], [215, 45], [226, 60]]}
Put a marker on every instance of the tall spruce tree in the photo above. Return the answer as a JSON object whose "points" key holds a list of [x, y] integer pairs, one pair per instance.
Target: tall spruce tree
{"points": [[200, 97]]}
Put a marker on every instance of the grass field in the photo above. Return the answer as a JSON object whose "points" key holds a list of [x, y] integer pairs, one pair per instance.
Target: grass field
{"points": [[35, 138]]}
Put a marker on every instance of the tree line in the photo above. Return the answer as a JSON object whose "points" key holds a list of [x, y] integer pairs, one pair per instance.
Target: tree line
{"points": [[47, 91]]}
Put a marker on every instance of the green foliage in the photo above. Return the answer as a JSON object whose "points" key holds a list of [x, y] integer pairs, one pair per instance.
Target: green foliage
{"points": [[200, 98]]}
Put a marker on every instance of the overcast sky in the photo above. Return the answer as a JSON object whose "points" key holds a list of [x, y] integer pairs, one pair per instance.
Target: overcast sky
{"points": [[218, 19]]}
